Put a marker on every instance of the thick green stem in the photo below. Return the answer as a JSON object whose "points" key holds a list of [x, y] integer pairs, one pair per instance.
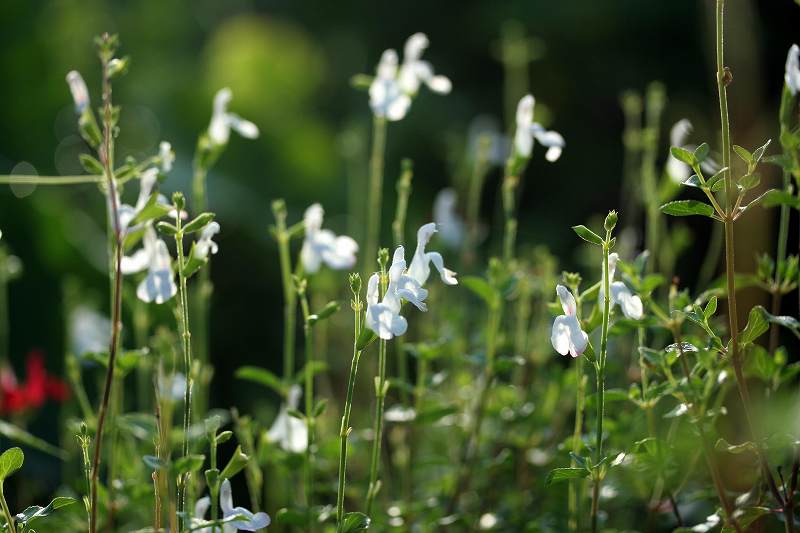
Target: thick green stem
{"points": [[375, 192], [344, 429], [106, 153]]}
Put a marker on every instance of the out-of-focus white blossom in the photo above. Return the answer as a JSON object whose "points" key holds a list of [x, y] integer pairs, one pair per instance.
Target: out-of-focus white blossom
{"points": [[792, 76], [166, 156], [80, 94], [159, 285], [528, 131], [449, 223], [621, 295], [205, 245], [323, 246], [290, 433], [222, 121], [420, 268]]}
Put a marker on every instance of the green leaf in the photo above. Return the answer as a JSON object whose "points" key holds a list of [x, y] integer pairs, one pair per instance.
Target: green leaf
{"points": [[481, 288], [320, 407], [711, 307], [716, 178], [743, 154], [693, 181], [701, 152], [152, 210], [36, 511], [153, 462], [684, 208], [200, 221], [91, 165], [683, 155], [16, 434], [718, 185], [756, 326], [749, 181], [10, 461], [355, 522], [188, 463], [754, 202], [329, 309], [166, 228], [588, 235], [758, 153], [235, 465], [315, 367], [365, 338], [775, 197], [262, 376], [563, 474], [724, 446], [292, 517]]}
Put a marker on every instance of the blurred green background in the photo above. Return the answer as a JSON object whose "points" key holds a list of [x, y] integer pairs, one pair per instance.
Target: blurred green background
{"points": [[289, 64]]}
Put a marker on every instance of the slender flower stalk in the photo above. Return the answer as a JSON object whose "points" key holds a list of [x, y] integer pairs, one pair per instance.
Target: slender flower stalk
{"points": [[600, 367], [18, 179], [301, 285], [345, 429], [375, 191], [186, 336], [282, 235], [398, 231], [577, 443], [106, 153], [654, 107]]}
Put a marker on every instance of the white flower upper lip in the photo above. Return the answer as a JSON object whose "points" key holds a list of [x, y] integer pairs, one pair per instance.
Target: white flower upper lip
{"points": [[159, 285], [324, 246], [222, 121], [567, 336], [792, 75], [395, 86], [528, 131], [290, 433], [621, 295], [80, 94]]}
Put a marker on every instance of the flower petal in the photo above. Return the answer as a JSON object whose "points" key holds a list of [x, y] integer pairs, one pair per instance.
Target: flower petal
{"points": [[243, 127], [226, 497], [568, 303], [447, 275], [630, 303], [131, 264]]}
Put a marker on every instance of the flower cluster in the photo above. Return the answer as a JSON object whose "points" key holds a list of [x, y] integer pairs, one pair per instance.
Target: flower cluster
{"points": [[395, 86], [383, 314]]}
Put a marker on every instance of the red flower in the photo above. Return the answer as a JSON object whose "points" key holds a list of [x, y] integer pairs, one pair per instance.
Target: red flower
{"points": [[38, 387]]}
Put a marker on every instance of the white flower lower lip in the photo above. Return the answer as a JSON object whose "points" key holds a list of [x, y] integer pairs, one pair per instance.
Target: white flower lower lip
{"points": [[567, 337]]}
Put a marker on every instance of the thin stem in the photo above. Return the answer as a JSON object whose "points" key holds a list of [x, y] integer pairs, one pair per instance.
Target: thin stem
{"points": [[375, 193], [780, 257], [106, 154], [398, 230], [289, 296], [6, 511], [309, 399], [201, 292], [4, 355], [187, 365], [653, 109], [344, 429], [377, 430], [510, 184], [576, 441], [600, 367], [479, 170], [16, 179]]}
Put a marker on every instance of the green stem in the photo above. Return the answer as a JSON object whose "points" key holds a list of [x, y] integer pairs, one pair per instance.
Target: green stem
{"points": [[377, 430], [187, 366], [780, 257], [6, 511], [344, 429], [215, 489], [398, 231], [309, 401], [375, 193], [201, 294], [510, 184], [15, 179], [600, 366], [476, 181], [289, 298], [106, 154], [654, 107], [580, 393]]}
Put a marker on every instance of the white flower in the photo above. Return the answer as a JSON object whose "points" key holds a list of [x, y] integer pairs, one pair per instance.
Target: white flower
{"points": [[166, 156], [250, 521], [792, 76], [323, 246], [393, 88], [80, 94], [204, 244], [146, 184], [528, 131], [567, 336], [384, 317], [89, 331], [450, 224], [386, 98], [621, 295], [173, 387], [219, 130], [290, 433], [414, 71], [159, 285], [420, 268], [679, 136]]}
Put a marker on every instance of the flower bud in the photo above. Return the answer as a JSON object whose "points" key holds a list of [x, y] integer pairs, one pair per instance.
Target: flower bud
{"points": [[611, 221], [355, 283], [179, 200], [383, 258], [279, 209]]}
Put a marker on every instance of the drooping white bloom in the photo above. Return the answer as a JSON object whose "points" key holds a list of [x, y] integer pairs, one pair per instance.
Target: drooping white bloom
{"points": [[166, 156], [89, 331], [250, 521], [414, 71], [323, 246], [80, 94], [451, 226], [528, 131], [205, 244], [393, 87], [219, 130], [567, 336], [290, 433], [792, 76], [677, 170], [386, 97], [383, 317], [159, 285], [621, 295], [420, 268]]}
